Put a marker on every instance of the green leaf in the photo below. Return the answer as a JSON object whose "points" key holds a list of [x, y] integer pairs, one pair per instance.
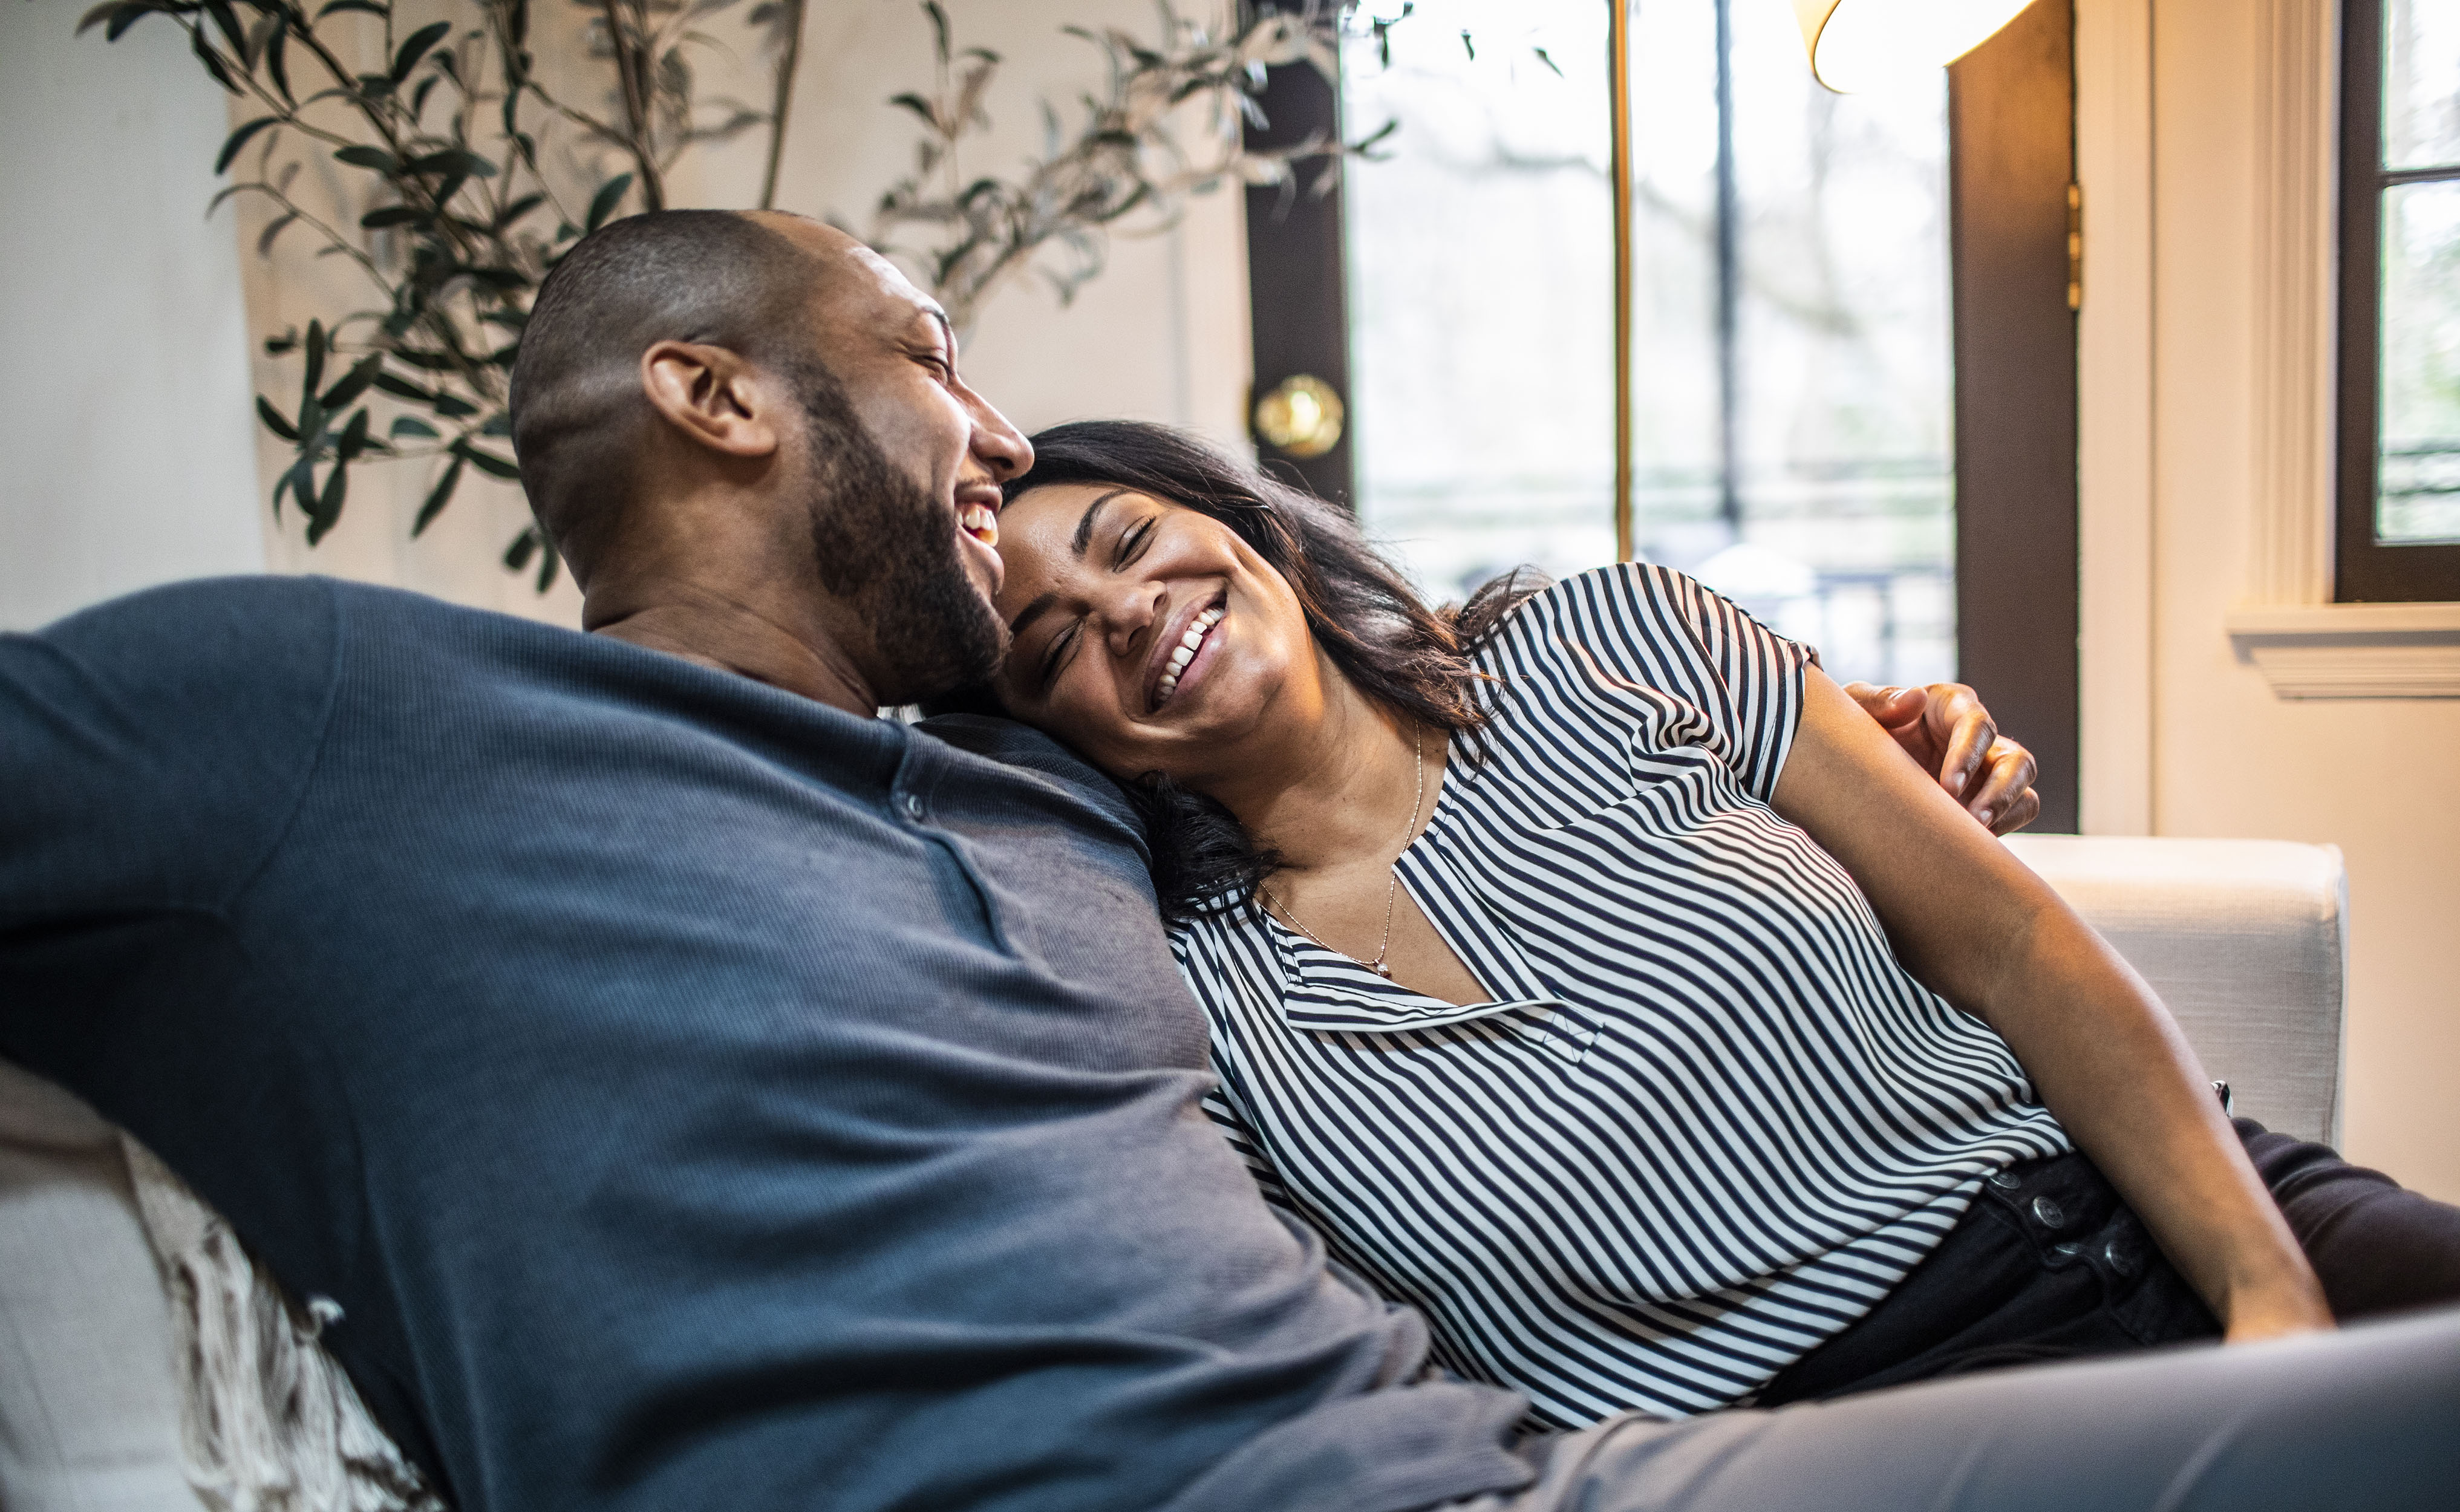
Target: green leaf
{"points": [[275, 68], [228, 23], [415, 48], [517, 556], [237, 139], [919, 106], [383, 216], [327, 512], [354, 437], [204, 51], [375, 157], [939, 28], [514, 211], [438, 497], [549, 561], [609, 195], [352, 384], [315, 360], [368, 6], [274, 421], [418, 96], [402, 389], [300, 480], [126, 16], [276, 346], [499, 423], [454, 406], [487, 461], [274, 229], [412, 425], [108, 11]]}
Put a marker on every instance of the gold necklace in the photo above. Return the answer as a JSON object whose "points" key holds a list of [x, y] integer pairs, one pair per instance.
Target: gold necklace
{"points": [[1391, 890]]}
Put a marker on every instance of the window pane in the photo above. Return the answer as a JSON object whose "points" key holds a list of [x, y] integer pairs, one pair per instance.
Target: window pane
{"points": [[1840, 528], [1481, 291], [2419, 483], [2421, 83], [1481, 298]]}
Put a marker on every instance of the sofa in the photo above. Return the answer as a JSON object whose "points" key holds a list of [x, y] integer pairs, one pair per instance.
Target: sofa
{"points": [[2245, 940]]}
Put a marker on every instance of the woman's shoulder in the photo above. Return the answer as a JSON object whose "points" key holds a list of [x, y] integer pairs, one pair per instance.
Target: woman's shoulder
{"points": [[1621, 601]]}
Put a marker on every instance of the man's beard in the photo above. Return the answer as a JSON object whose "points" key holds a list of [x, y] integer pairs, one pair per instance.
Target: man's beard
{"points": [[886, 545]]}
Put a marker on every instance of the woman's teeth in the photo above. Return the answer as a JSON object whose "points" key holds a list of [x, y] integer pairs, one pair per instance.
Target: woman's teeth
{"points": [[1184, 652], [980, 522]]}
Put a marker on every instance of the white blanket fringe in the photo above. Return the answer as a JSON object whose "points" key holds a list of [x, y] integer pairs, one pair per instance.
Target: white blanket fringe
{"points": [[270, 1422]]}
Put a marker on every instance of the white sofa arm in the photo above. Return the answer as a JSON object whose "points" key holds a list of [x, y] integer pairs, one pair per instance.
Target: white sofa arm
{"points": [[2245, 940]]}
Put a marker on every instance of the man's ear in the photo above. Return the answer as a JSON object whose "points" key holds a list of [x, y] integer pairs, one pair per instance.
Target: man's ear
{"points": [[714, 396]]}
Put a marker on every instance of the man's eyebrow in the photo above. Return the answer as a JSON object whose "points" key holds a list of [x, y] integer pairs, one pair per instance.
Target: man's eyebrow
{"points": [[1083, 536], [946, 330], [1030, 614]]}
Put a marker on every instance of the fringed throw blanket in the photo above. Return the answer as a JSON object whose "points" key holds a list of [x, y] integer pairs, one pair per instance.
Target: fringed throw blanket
{"points": [[270, 1422]]}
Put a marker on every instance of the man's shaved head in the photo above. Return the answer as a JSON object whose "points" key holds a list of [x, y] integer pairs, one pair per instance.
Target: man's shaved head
{"points": [[713, 277]]}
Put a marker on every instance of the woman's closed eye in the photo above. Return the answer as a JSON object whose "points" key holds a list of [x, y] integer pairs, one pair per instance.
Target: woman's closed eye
{"points": [[1130, 540]]}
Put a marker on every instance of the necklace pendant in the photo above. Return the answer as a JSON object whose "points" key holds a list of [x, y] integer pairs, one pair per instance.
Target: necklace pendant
{"points": [[1382, 971]]}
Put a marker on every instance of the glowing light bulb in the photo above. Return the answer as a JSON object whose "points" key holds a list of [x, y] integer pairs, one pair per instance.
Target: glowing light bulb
{"points": [[1858, 44]]}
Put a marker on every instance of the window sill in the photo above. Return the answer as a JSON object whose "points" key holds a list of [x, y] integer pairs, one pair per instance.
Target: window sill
{"points": [[2352, 650]]}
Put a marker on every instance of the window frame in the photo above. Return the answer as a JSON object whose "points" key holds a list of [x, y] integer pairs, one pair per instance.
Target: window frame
{"points": [[2364, 569]]}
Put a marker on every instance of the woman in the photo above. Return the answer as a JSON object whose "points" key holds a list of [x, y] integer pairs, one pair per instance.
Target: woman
{"points": [[1583, 971]]}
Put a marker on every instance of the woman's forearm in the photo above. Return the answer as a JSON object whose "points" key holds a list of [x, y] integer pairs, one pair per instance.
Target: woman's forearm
{"points": [[2108, 1060], [1981, 929]]}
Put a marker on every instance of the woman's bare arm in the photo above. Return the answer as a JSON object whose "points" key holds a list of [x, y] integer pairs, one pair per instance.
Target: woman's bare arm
{"points": [[1983, 932]]}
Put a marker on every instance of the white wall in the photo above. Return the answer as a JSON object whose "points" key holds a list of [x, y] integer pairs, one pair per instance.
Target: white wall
{"points": [[2183, 470], [124, 420], [1161, 334], [133, 324]]}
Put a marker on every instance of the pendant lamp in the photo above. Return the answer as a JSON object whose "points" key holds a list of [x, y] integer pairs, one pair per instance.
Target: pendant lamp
{"points": [[1858, 44]]}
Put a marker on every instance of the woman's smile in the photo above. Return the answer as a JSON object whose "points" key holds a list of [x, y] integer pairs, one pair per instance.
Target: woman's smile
{"points": [[1190, 656]]}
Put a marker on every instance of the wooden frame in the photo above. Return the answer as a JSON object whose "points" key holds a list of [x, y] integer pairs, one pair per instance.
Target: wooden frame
{"points": [[2366, 570]]}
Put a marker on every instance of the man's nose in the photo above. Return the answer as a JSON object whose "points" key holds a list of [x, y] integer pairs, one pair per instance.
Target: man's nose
{"points": [[998, 446]]}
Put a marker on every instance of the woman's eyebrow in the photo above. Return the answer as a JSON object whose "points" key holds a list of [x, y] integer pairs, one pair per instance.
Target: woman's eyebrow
{"points": [[1084, 537]]}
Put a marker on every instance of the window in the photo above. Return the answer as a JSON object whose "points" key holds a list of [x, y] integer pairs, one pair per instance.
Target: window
{"points": [[1854, 401], [2399, 504], [1792, 395]]}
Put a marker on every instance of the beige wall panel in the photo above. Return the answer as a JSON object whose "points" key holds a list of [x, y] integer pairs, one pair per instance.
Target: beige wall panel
{"points": [[2230, 758]]}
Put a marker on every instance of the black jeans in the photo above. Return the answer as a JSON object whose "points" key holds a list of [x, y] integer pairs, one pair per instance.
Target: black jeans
{"points": [[2050, 1264]]}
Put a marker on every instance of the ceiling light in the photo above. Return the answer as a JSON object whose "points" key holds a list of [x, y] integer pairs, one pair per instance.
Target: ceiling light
{"points": [[1859, 45]]}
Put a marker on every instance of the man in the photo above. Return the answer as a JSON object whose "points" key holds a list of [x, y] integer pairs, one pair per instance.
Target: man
{"points": [[692, 1090]]}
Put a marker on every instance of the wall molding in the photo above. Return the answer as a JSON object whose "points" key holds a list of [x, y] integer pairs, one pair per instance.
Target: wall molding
{"points": [[2352, 650], [2287, 626]]}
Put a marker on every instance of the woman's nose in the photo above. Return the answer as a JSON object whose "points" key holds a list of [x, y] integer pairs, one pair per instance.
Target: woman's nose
{"points": [[1131, 607]]}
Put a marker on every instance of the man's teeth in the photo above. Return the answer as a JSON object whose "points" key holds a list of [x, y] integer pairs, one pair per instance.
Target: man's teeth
{"points": [[1184, 651], [980, 522]]}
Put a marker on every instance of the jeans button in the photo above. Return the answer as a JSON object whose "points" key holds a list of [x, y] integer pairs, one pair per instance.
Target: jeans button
{"points": [[2067, 1251], [2004, 1181], [2119, 1261], [2049, 1213]]}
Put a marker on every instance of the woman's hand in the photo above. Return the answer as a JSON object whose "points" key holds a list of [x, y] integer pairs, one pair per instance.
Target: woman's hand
{"points": [[1949, 735], [1974, 926]]}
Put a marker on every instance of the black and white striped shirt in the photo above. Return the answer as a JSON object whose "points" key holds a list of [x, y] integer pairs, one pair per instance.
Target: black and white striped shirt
{"points": [[1707, 1122]]}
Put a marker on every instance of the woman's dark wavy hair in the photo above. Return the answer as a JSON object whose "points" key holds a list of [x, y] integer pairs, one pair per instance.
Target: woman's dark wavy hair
{"points": [[1412, 659]]}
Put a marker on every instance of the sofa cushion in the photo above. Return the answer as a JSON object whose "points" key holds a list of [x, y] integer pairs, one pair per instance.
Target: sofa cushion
{"points": [[89, 1408]]}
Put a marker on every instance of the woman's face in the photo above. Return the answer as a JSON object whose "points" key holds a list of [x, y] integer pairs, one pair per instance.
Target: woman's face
{"points": [[1147, 635]]}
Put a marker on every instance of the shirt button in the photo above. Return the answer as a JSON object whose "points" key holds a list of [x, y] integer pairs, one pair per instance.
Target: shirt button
{"points": [[2050, 1214], [913, 806], [2004, 1181]]}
